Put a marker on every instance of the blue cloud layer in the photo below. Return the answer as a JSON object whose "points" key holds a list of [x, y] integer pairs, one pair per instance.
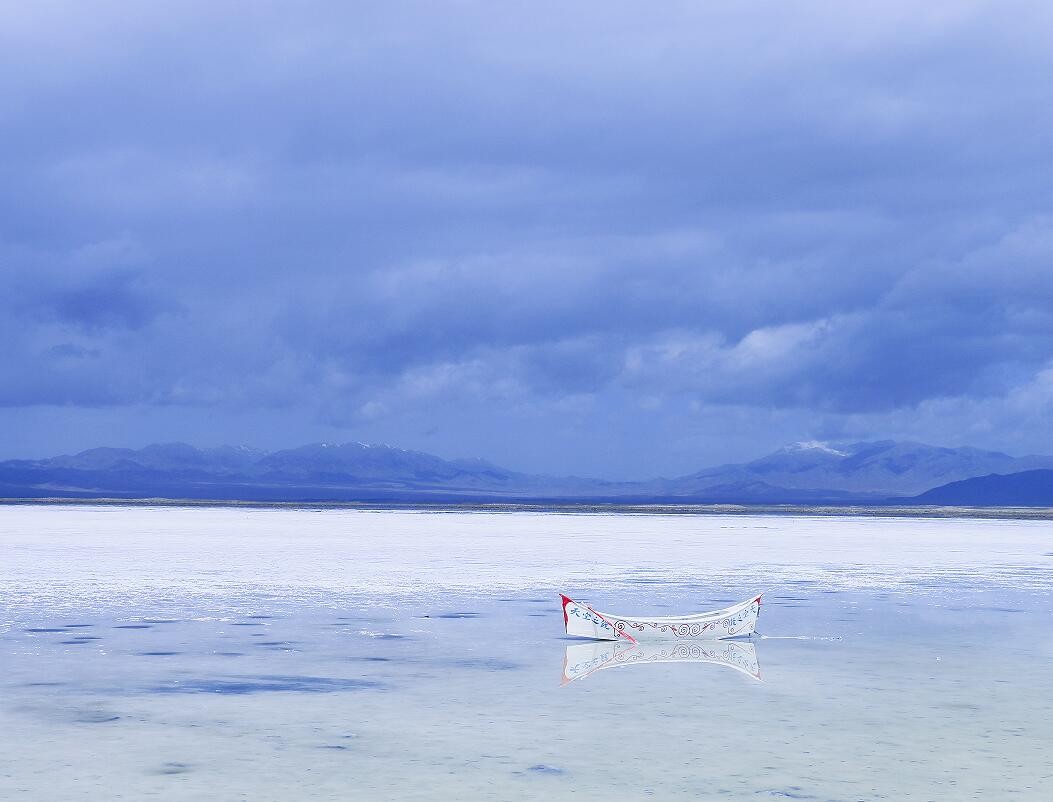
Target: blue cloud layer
{"points": [[589, 237]]}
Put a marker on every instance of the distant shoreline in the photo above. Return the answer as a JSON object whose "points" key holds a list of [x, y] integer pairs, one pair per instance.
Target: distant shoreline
{"points": [[569, 508]]}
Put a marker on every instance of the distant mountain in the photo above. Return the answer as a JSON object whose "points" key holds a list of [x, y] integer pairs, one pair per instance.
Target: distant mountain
{"points": [[323, 462], [321, 471], [885, 468], [165, 457], [804, 473], [1024, 489]]}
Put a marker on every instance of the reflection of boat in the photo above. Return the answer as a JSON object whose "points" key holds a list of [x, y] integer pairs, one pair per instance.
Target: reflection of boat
{"points": [[583, 621], [583, 659]]}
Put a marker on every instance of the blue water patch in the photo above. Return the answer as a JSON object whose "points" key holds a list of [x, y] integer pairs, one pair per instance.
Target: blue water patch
{"points": [[793, 792], [157, 654], [456, 615], [542, 768], [36, 630], [240, 686], [132, 626], [173, 768], [160, 620], [95, 717], [484, 663], [364, 619]]}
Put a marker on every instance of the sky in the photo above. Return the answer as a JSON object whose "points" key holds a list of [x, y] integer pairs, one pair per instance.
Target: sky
{"points": [[603, 238]]}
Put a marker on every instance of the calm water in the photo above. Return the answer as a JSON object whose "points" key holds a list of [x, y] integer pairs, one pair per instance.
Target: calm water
{"points": [[297, 654]]}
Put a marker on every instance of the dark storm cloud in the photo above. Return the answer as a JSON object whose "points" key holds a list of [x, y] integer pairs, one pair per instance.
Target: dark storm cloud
{"points": [[463, 218]]}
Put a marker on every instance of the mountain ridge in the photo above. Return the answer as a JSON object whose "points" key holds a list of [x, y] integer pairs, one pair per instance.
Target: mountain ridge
{"points": [[867, 472]]}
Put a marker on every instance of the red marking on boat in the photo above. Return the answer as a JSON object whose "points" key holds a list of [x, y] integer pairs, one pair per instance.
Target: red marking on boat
{"points": [[626, 635], [566, 601], [566, 620], [617, 631]]}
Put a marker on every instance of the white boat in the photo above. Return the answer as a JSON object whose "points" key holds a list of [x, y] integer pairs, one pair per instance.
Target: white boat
{"points": [[584, 622], [583, 659]]}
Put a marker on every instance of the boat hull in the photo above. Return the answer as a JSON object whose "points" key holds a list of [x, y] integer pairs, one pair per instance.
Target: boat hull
{"points": [[583, 621]]}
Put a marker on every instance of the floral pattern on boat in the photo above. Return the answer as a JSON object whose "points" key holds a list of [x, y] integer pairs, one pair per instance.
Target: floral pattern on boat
{"points": [[583, 621]]}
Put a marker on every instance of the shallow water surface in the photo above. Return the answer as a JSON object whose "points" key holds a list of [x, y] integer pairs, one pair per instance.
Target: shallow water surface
{"points": [[276, 654]]}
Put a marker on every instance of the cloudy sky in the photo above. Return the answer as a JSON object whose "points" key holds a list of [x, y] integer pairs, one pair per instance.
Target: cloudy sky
{"points": [[611, 238]]}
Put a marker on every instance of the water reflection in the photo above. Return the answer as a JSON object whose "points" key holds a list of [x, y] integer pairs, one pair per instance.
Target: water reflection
{"points": [[583, 659]]}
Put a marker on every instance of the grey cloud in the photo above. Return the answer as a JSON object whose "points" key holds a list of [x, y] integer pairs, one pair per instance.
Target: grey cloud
{"points": [[491, 223], [976, 327]]}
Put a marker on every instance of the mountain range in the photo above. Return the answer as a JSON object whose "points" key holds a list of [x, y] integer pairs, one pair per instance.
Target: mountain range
{"points": [[802, 473]]}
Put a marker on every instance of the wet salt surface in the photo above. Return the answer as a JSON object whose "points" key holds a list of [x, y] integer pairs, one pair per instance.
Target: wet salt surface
{"points": [[880, 680]]}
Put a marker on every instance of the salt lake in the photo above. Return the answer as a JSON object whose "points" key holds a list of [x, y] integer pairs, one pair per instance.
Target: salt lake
{"points": [[241, 653]]}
